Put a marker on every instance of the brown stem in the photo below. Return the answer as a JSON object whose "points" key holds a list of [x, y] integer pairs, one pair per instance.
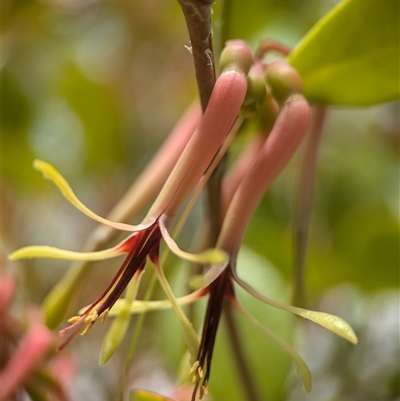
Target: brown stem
{"points": [[214, 201], [197, 14], [270, 45], [198, 20], [303, 206], [242, 364]]}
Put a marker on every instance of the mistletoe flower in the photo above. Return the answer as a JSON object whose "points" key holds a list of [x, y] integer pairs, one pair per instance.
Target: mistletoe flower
{"points": [[289, 130], [144, 241]]}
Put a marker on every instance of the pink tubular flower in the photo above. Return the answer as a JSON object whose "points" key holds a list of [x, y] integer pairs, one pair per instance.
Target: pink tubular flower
{"points": [[223, 108], [285, 137]]}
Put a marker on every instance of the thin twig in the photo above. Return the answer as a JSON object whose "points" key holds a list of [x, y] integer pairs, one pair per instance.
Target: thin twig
{"points": [[242, 364], [303, 205], [197, 15]]}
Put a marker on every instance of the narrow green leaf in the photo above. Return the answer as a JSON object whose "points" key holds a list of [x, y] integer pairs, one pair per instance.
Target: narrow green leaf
{"points": [[191, 338], [351, 56], [56, 303], [119, 326]]}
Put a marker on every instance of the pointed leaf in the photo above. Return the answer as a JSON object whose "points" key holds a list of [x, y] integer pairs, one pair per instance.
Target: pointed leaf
{"points": [[56, 303], [119, 326], [114, 336], [351, 56]]}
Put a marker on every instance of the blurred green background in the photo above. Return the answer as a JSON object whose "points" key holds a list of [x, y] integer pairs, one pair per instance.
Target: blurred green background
{"points": [[94, 87]]}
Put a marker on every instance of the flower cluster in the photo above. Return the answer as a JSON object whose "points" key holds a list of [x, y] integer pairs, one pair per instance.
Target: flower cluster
{"points": [[246, 88]]}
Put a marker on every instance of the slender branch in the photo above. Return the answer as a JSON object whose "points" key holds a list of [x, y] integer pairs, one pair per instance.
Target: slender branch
{"points": [[197, 14], [198, 20], [242, 362], [303, 206]]}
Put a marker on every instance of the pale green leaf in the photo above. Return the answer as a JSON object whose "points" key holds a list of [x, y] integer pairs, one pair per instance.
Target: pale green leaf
{"points": [[119, 326], [56, 303], [351, 56], [114, 336]]}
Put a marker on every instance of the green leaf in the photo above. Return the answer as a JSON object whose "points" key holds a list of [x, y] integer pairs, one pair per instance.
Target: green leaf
{"points": [[56, 304], [351, 56]]}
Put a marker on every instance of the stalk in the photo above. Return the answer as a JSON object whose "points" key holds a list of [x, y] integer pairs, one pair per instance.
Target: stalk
{"points": [[197, 15], [303, 205]]}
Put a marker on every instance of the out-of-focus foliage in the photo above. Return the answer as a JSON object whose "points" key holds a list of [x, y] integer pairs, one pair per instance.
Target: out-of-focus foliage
{"points": [[351, 56], [94, 86], [143, 395]]}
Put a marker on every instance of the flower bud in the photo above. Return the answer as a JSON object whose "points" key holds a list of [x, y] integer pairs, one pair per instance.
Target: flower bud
{"points": [[236, 56], [256, 91], [268, 111], [284, 80]]}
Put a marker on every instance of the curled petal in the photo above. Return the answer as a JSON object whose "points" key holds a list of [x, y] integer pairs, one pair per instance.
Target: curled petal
{"points": [[211, 275], [190, 334], [302, 368], [209, 256], [138, 306], [49, 252], [52, 174], [331, 322]]}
